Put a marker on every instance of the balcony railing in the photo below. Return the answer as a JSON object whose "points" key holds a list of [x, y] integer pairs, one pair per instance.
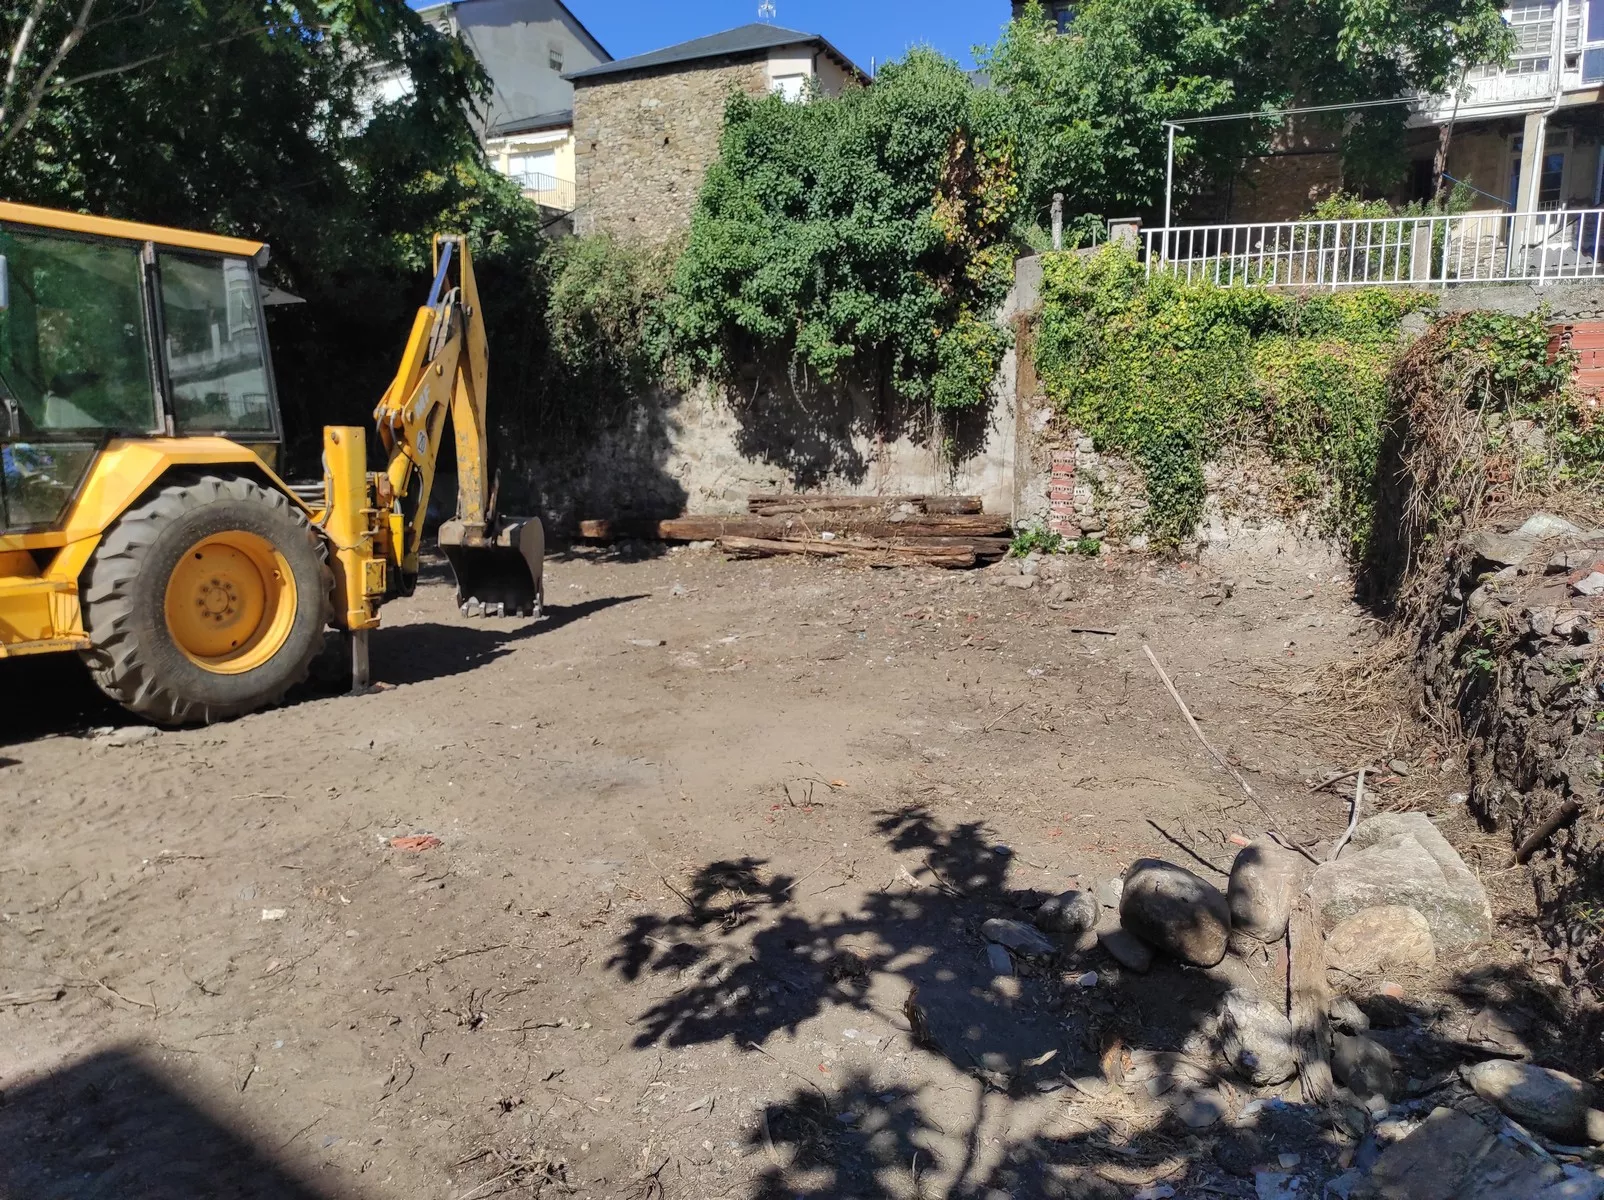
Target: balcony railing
{"points": [[548, 191], [1434, 251]]}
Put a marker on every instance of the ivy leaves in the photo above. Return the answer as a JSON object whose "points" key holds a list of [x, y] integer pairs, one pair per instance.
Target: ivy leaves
{"points": [[865, 233]]}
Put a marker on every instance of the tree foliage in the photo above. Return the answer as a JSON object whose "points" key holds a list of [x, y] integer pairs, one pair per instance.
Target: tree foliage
{"points": [[865, 234], [1089, 105], [262, 119]]}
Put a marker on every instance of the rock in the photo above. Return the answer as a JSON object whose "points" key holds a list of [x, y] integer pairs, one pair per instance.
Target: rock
{"points": [[1256, 1039], [128, 735], [1126, 949], [997, 959], [1432, 1162], [1108, 892], [1069, 914], [647, 643], [1020, 581], [1578, 1184], [1501, 549], [1265, 882], [1347, 1015], [1543, 525], [1590, 585], [1398, 767], [1595, 1125], [1402, 859], [1169, 907], [1501, 1032], [1277, 1185], [1199, 1109], [1016, 935], [1550, 1102], [1363, 1065], [1376, 940]]}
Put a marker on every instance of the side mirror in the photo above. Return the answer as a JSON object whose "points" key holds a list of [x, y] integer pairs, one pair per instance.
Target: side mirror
{"points": [[5, 285]]}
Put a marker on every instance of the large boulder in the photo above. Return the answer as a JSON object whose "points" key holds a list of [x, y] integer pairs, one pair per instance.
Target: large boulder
{"points": [[1265, 883], [1402, 859], [1550, 1102], [1169, 907]]}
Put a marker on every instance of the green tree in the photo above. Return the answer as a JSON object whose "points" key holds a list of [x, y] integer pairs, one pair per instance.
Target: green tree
{"points": [[862, 234], [1089, 105], [262, 119]]}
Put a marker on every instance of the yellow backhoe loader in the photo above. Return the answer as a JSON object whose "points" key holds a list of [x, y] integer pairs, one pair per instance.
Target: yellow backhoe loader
{"points": [[143, 522]]}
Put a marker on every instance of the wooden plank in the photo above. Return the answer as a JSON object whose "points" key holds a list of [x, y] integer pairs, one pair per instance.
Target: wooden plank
{"points": [[707, 528], [1308, 1000], [745, 547]]}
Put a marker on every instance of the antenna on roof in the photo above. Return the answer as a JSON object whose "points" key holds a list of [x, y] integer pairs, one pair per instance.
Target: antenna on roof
{"points": [[765, 10]]}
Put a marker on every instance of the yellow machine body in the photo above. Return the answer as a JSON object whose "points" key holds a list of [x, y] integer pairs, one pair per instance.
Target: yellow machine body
{"points": [[208, 433]]}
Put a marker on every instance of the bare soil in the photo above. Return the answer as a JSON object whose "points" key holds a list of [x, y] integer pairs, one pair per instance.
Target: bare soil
{"points": [[703, 830]]}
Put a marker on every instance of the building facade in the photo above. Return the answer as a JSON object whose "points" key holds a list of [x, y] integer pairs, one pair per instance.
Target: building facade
{"points": [[647, 128], [527, 48]]}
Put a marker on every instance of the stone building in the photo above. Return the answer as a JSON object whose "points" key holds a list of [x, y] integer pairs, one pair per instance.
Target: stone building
{"points": [[646, 128]]}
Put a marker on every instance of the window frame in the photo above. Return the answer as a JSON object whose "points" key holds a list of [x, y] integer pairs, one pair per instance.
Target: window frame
{"points": [[159, 407], [153, 299]]}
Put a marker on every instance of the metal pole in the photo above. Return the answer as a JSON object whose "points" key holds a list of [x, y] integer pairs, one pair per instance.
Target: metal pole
{"points": [[1169, 181]]}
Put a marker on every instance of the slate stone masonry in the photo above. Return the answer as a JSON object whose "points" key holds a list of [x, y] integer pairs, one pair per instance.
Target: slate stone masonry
{"points": [[642, 143]]}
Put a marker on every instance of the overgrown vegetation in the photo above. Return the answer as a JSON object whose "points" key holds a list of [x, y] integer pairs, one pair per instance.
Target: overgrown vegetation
{"points": [[862, 235], [1176, 374]]}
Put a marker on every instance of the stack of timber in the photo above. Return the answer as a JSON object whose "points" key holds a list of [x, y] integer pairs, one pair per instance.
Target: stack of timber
{"points": [[937, 531]]}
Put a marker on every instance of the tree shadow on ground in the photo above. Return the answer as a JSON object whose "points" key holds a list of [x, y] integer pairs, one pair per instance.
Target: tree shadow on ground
{"points": [[113, 1127], [1068, 1087]]}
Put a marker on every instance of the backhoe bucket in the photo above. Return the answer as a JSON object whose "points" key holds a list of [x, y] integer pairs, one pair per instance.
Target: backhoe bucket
{"points": [[500, 575]]}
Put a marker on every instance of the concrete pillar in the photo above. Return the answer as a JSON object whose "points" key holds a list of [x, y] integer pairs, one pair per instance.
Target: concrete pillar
{"points": [[1533, 136]]}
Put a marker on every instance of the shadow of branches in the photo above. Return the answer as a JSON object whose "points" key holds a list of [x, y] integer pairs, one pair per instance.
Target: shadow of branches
{"points": [[1065, 1076]]}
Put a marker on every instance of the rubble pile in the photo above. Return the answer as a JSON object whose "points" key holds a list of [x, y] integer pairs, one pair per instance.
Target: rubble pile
{"points": [[1314, 1075]]}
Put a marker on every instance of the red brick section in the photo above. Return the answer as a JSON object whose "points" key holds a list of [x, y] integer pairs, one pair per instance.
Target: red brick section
{"points": [[1586, 338], [1061, 495]]}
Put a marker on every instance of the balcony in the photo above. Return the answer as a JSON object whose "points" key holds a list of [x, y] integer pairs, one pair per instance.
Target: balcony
{"points": [[548, 191], [1431, 251]]}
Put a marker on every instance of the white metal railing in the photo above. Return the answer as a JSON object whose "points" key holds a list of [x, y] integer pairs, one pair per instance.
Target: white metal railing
{"points": [[546, 190], [1421, 251]]}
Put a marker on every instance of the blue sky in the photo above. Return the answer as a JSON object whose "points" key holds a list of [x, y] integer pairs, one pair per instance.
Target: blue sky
{"points": [[860, 29]]}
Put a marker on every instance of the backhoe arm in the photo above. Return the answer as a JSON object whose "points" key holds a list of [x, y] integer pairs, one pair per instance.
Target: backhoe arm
{"points": [[377, 525]]}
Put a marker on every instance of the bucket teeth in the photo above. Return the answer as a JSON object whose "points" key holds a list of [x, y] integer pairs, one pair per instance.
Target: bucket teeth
{"points": [[500, 575]]}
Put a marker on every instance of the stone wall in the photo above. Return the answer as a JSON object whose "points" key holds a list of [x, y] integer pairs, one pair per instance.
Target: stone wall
{"points": [[643, 141]]}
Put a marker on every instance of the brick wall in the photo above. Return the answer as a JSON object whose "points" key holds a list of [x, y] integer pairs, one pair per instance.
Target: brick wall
{"points": [[1586, 338], [643, 142]]}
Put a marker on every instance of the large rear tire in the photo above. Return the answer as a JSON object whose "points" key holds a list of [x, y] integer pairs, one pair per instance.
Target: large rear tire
{"points": [[206, 602]]}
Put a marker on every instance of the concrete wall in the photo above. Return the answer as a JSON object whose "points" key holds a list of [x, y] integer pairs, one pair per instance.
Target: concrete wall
{"points": [[642, 143]]}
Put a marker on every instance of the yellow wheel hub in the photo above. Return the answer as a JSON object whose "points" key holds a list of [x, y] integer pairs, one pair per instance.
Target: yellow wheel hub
{"points": [[230, 603]]}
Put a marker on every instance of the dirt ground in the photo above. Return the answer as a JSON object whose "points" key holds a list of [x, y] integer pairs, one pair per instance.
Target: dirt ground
{"points": [[704, 827]]}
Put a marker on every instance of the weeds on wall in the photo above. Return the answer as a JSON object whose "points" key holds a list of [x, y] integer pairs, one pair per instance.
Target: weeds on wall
{"points": [[1176, 374]]}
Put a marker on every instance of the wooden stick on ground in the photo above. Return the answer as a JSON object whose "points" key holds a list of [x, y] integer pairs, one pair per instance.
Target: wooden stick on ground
{"points": [[1307, 1000], [1192, 721], [1561, 817], [1353, 817]]}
